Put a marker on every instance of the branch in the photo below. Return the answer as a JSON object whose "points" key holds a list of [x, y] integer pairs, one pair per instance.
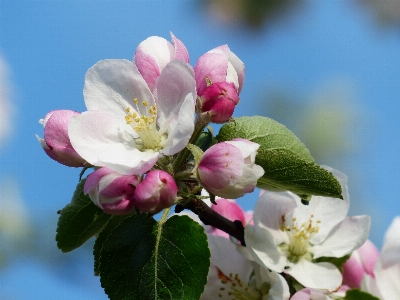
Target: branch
{"points": [[210, 217]]}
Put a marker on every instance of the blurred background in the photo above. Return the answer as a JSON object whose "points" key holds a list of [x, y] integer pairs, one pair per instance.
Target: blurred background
{"points": [[328, 70]]}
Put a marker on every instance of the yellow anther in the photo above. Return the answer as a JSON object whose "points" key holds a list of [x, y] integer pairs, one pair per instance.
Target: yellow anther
{"points": [[145, 103], [136, 101]]}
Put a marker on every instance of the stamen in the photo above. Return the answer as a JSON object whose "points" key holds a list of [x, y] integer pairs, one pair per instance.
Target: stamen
{"points": [[143, 124], [299, 237], [236, 288]]}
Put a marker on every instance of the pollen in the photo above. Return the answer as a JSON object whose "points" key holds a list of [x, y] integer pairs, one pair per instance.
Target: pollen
{"points": [[300, 235], [235, 288], [143, 122]]}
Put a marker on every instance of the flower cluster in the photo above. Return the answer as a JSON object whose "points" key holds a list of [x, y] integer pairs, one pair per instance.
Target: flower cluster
{"points": [[140, 114], [284, 237], [143, 136]]}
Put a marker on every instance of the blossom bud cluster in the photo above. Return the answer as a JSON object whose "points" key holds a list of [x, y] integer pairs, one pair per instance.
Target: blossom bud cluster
{"points": [[118, 194], [147, 109]]}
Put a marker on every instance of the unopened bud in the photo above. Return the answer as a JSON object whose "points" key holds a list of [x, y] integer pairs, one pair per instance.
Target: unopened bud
{"points": [[111, 191], [220, 100], [228, 170], [56, 141], [157, 191]]}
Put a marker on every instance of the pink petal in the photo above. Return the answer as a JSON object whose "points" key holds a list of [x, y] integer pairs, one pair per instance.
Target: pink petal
{"points": [[211, 65], [94, 178], [151, 56], [220, 166], [181, 52]]}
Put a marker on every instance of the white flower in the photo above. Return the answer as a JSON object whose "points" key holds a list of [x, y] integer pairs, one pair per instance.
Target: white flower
{"points": [[387, 268], [230, 272], [127, 127], [288, 236]]}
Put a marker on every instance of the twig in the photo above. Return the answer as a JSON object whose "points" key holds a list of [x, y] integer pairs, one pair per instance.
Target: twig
{"points": [[210, 217]]}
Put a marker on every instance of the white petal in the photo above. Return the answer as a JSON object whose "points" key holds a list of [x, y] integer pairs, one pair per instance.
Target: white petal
{"points": [[387, 280], [111, 85], [176, 96], [261, 246], [271, 211], [99, 139], [344, 238], [223, 253], [387, 269], [279, 287], [330, 211], [323, 276], [369, 285]]}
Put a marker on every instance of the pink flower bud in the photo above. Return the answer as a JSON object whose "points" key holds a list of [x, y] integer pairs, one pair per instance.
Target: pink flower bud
{"points": [[154, 53], [219, 65], [111, 191], [361, 262], [220, 100], [56, 141], [228, 170], [157, 191]]}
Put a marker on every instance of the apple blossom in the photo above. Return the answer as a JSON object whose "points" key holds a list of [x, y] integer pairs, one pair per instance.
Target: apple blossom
{"points": [[154, 53], [228, 170], [387, 268], [288, 236], [157, 191], [111, 191], [127, 127], [219, 100], [56, 142], [219, 65], [361, 263], [232, 276]]}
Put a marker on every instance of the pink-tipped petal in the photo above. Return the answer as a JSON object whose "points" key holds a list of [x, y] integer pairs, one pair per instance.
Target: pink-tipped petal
{"points": [[151, 56], [181, 52], [212, 66]]}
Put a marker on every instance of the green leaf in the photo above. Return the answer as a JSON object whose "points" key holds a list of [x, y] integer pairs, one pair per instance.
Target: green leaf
{"points": [[145, 259], [79, 221], [356, 294], [287, 163], [113, 222]]}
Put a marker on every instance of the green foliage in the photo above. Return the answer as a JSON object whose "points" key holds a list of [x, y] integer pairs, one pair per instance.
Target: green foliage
{"points": [[287, 163], [356, 294], [205, 139], [145, 259], [113, 222], [79, 221]]}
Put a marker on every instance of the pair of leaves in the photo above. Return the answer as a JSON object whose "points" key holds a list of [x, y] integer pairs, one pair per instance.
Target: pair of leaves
{"points": [[136, 256], [287, 163]]}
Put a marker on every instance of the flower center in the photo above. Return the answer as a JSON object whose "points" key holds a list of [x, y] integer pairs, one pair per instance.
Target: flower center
{"points": [[300, 236], [144, 124], [235, 288]]}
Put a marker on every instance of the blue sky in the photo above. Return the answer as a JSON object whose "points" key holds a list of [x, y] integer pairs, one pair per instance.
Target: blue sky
{"points": [[49, 45]]}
